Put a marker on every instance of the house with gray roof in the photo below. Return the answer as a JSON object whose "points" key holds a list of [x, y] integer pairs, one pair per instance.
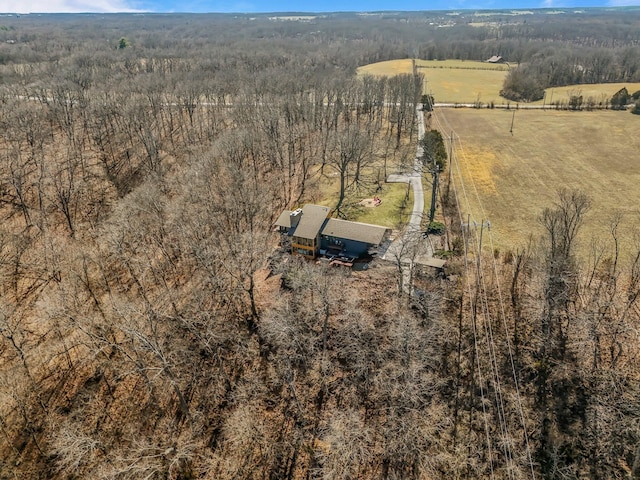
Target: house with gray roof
{"points": [[314, 232]]}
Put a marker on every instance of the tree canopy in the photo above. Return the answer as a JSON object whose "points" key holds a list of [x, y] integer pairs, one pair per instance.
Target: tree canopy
{"points": [[434, 150]]}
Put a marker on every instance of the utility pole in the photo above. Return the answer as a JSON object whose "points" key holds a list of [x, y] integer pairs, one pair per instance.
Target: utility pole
{"points": [[466, 237], [468, 225], [513, 117], [450, 156], [475, 224]]}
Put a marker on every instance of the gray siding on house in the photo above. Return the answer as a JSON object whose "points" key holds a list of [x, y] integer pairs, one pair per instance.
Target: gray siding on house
{"points": [[353, 239], [351, 248]]}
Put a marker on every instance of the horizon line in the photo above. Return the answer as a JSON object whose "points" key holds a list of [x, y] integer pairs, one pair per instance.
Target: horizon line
{"points": [[574, 9]]}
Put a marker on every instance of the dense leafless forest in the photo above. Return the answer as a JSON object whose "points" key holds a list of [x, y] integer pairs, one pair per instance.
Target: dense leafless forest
{"points": [[150, 328]]}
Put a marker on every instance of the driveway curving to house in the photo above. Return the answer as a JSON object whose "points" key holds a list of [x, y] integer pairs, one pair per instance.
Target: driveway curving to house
{"points": [[410, 247]]}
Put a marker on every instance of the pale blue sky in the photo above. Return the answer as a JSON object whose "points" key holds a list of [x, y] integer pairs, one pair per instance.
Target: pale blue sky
{"points": [[26, 6]]}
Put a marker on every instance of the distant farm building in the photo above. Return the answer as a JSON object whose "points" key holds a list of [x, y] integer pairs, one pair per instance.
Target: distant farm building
{"points": [[313, 232], [496, 59]]}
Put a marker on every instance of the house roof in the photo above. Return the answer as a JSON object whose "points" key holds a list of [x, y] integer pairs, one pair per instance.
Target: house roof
{"points": [[495, 59], [284, 220], [311, 221], [359, 232]]}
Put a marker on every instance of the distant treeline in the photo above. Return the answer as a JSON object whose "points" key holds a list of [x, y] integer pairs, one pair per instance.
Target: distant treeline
{"points": [[569, 48], [148, 329]]}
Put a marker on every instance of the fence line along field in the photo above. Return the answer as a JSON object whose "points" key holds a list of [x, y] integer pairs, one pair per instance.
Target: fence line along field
{"points": [[517, 175]]}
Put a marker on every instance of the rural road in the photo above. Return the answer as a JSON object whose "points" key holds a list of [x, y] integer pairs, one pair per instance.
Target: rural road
{"points": [[405, 249], [510, 106]]}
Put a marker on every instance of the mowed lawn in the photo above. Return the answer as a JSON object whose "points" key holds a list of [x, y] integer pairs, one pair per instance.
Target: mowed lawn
{"points": [[517, 176], [393, 212]]}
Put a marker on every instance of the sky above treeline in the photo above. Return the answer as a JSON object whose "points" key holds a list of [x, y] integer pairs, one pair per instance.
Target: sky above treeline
{"points": [[261, 6]]}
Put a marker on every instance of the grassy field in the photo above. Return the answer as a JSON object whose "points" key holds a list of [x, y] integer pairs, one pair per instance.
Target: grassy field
{"points": [[388, 68], [458, 81], [454, 81], [517, 176], [598, 91]]}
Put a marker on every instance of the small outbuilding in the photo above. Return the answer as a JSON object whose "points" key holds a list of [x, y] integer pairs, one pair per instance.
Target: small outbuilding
{"points": [[496, 59]]}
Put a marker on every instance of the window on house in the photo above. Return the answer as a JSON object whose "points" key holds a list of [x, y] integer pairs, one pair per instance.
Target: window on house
{"points": [[334, 241], [303, 241]]}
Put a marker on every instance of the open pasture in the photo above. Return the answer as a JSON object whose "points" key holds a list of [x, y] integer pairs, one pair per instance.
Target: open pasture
{"points": [[517, 176], [460, 81], [450, 81], [388, 68], [599, 92]]}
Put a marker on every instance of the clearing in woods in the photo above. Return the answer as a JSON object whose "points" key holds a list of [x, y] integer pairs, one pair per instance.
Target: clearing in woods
{"points": [[450, 81], [464, 81], [517, 176], [393, 211]]}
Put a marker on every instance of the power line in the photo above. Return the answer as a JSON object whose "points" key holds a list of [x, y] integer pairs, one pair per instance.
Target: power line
{"points": [[504, 321], [475, 334], [481, 279]]}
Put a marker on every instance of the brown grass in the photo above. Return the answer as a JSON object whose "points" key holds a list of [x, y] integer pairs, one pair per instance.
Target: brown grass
{"points": [[460, 81], [454, 81], [599, 92], [510, 179]]}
